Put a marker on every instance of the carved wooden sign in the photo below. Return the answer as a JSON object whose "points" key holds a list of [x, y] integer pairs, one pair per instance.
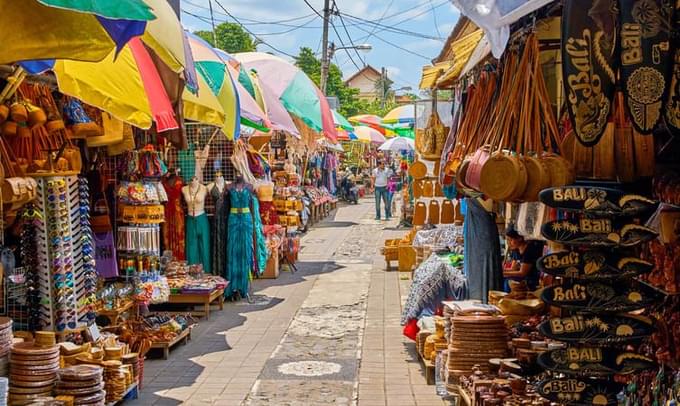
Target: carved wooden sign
{"points": [[599, 297], [579, 392], [594, 361], [646, 59], [601, 202], [596, 329], [590, 64], [596, 232], [592, 265]]}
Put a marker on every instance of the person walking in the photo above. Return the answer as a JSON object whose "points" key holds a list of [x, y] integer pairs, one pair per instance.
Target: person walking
{"points": [[380, 178]]}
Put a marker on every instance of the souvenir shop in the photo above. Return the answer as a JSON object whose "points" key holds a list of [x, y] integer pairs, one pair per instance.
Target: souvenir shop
{"points": [[118, 240], [556, 281]]}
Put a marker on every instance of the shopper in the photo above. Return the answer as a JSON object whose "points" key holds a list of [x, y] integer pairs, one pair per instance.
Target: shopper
{"points": [[379, 180], [523, 257]]}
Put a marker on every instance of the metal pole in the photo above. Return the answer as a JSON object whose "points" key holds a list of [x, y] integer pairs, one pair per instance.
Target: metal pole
{"points": [[212, 22], [324, 44], [383, 86]]}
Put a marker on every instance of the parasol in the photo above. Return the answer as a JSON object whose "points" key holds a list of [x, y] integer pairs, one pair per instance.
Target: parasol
{"points": [[368, 135], [298, 94], [401, 114], [126, 85], [341, 122], [398, 144]]}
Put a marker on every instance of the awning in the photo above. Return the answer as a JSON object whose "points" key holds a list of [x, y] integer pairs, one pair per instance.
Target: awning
{"points": [[432, 73], [481, 52], [462, 51]]}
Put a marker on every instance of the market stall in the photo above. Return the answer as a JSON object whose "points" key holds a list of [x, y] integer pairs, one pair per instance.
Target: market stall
{"points": [[575, 305]]}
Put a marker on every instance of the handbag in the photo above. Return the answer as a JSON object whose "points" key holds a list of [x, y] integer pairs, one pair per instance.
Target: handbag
{"points": [[112, 132], [100, 221], [127, 144]]}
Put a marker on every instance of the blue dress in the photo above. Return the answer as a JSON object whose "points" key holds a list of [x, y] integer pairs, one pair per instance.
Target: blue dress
{"points": [[239, 241]]}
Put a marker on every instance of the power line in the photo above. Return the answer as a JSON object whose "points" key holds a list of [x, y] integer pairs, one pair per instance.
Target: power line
{"points": [[434, 16], [313, 9], [351, 41], [393, 29], [251, 33], [295, 27], [381, 18], [254, 22], [395, 45]]}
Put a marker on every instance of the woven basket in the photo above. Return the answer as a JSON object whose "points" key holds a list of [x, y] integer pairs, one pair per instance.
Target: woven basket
{"points": [[420, 214], [434, 212], [448, 212], [417, 170], [503, 177], [538, 178]]}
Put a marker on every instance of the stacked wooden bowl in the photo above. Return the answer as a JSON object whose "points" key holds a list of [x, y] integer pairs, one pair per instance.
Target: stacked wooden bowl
{"points": [[114, 376], [33, 370], [475, 340], [5, 344], [84, 383]]}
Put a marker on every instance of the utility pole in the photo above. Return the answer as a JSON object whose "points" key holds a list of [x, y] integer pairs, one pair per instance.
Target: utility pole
{"points": [[324, 44], [212, 21], [383, 86]]}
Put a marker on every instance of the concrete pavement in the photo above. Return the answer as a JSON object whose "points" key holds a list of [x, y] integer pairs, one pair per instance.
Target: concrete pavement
{"points": [[328, 334]]}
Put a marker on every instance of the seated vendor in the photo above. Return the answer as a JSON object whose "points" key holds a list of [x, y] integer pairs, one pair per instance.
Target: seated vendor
{"points": [[523, 257]]}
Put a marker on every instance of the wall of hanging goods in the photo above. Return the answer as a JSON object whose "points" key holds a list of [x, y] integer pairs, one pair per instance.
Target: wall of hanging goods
{"points": [[560, 150]]}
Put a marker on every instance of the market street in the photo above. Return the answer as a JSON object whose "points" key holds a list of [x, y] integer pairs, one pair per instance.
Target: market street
{"points": [[328, 334]]}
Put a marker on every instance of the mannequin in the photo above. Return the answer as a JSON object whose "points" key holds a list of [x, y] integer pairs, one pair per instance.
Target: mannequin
{"points": [[240, 247], [218, 230], [197, 225], [174, 227]]}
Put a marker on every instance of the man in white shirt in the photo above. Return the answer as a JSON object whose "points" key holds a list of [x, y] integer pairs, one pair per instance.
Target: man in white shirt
{"points": [[380, 178]]}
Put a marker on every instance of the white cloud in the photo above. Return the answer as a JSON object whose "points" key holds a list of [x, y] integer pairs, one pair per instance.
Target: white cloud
{"points": [[392, 71]]}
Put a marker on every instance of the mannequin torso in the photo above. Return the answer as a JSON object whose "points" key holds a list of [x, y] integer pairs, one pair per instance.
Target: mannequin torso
{"points": [[194, 194]]}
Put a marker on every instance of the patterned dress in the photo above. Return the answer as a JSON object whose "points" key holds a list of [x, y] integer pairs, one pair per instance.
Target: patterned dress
{"points": [[218, 231], [173, 228], [239, 241]]}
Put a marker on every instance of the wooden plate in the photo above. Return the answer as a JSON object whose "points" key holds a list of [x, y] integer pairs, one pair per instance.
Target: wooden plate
{"points": [[31, 349]]}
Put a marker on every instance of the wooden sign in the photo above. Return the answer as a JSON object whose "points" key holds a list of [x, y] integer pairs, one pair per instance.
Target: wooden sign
{"points": [[594, 361], [599, 297], [596, 232], [590, 64], [601, 202], [594, 329], [673, 98], [646, 59], [592, 265], [579, 392]]}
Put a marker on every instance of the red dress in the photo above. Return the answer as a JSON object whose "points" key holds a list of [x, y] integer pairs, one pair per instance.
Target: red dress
{"points": [[173, 228]]}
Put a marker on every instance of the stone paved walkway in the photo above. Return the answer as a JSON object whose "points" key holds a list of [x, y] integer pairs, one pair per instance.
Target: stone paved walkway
{"points": [[328, 334]]}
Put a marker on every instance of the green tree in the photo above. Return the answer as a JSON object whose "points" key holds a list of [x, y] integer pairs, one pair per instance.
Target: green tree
{"points": [[231, 37], [350, 104]]}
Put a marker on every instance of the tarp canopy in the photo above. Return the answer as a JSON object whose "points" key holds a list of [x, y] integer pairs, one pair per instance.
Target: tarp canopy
{"points": [[495, 17]]}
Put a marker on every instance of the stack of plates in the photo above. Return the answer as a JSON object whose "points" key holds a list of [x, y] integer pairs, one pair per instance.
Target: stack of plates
{"points": [[132, 359], [45, 339], [84, 383], [114, 376], [32, 372], [5, 344], [475, 340]]}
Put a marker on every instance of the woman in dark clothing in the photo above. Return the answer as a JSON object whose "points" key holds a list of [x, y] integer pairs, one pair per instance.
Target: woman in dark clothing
{"points": [[524, 255]]}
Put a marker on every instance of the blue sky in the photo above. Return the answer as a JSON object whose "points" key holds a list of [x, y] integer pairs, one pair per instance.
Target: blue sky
{"points": [[432, 18]]}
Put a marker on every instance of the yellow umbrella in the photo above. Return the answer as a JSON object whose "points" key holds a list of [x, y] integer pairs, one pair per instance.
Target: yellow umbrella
{"points": [[203, 107]]}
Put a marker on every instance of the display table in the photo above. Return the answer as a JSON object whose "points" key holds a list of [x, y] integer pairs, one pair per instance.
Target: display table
{"points": [[114, 314], [182, 337], [197, 299]]}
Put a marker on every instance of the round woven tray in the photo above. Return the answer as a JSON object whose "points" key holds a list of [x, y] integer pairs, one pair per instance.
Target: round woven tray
{"points": [[79, 391], [78, 384], [81, 373]]}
